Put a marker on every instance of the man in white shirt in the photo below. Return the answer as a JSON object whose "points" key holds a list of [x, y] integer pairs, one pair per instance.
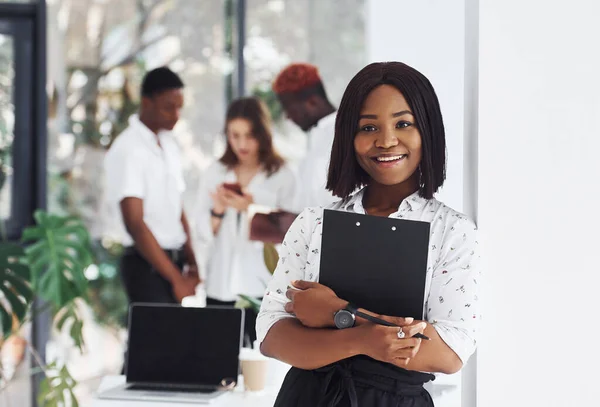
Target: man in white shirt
{"points": [[144, 186], [304, 100]]}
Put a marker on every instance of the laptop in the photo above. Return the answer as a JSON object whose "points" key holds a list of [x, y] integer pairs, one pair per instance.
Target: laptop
{"points": [[377, 263], [180, 355]]}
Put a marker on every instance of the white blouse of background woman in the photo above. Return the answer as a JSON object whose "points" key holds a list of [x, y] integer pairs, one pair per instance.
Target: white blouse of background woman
{"points": [[232, 263]]}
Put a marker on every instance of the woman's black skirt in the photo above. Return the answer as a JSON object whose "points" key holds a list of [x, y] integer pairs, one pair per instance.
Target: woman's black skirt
{"points": [[355, 382]]}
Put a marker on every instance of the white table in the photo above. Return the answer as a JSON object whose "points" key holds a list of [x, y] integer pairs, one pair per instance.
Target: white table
{"points": [[445, 393], [237, 398]]}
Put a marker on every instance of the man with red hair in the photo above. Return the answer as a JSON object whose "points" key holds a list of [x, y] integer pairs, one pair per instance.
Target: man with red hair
{"points": [[304, 100]]}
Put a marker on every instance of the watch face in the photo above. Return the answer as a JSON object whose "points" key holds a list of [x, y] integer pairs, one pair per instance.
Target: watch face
{"points": [[343, 319]]}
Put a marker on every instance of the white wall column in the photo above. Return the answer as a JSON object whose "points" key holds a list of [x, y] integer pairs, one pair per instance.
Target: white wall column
{"points": [[539, 176]]}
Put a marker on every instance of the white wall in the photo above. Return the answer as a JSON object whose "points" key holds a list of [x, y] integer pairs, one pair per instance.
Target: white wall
{"points": [[539, 175], [471, 162], [429, 36]]}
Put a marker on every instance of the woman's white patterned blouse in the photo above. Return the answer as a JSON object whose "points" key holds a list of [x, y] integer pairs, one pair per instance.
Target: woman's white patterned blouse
{"points": [[451, 303]]}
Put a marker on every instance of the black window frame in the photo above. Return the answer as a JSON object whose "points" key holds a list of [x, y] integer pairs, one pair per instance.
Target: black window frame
{"points": [[235, 41], [26, 23]]}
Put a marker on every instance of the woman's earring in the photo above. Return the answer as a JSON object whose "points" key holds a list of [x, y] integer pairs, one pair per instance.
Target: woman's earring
{"points": [[421, 182]]}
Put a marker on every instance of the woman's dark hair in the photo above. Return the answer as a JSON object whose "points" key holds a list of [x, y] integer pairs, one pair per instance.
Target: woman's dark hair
{"points": [[256, 112], [345, 173]]}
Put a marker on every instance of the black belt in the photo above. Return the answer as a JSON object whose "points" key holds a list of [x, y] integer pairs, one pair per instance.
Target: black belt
{"points": [[341, 377], [175, 255], [346, 381]]}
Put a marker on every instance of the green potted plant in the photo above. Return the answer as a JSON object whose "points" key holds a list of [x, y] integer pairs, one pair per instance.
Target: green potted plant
{"points": [[49, 266]]}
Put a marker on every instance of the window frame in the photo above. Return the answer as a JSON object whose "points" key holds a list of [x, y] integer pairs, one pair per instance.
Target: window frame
{"points": [[26, 24]]}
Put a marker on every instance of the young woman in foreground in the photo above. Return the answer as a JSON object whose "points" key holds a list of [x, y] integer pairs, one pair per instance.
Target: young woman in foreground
{"points": [[389, 141]]}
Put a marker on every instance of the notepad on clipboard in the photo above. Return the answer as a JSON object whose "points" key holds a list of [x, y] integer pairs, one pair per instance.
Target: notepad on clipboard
{"points": [[377, 263], [269, 225]]}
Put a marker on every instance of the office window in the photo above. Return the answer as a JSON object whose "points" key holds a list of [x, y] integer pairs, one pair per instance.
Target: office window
{"points": [[329, 34], [7, 120], [22, 118], [98, 53]]}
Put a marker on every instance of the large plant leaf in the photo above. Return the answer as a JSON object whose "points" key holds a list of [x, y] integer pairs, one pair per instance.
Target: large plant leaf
{"points": [[57, 388], [14, 288], [68, 316], [271, 257], [59, 253]]}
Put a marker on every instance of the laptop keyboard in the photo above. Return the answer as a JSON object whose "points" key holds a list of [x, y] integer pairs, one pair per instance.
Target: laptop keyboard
{"points": [[158, 387]]}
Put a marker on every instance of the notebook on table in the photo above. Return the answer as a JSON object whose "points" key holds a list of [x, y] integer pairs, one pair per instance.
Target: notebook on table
{"points": [[377, 263], [179, 354]]}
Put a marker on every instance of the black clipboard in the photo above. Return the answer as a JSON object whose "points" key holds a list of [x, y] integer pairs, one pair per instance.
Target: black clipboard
{"points": [[376, 263]]}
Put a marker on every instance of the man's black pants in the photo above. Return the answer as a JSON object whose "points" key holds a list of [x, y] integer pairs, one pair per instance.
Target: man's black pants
{"points": [[145, 284]]}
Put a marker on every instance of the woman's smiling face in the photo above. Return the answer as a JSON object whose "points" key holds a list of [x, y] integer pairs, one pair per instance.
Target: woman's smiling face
{"points": [[388, 144]]}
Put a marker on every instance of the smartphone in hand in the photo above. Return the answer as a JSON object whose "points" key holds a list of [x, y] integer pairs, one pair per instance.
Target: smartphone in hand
{"points": [[233, 187]]}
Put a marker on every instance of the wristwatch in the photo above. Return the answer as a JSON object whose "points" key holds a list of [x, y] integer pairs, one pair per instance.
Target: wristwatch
{"points": [[346, 317], [217, 215]]}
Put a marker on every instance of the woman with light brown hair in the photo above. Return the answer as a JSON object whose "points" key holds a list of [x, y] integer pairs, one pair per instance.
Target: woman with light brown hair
{"points": [[250, 171]]}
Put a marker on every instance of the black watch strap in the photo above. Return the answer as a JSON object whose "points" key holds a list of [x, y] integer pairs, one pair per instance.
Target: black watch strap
{"points": [[373, 319], [354, 310], [217, 215]]}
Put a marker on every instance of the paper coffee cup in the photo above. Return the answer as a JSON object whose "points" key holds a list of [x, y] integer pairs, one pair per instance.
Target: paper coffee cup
{"points": [[254, 369]]}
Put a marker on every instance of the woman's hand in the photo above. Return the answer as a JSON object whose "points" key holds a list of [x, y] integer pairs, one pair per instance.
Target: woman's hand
{"points": [[184, 286], [192, 272], [313, 304], [236, 201], [219, 202], [382, 342]]}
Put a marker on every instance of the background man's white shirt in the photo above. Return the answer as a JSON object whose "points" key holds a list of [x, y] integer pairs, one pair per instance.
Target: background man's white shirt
{"points": [[312, 172], [136, 166]]}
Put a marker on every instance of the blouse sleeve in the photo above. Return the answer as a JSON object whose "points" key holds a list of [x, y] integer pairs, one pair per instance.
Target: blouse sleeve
{"points": [[202, 218], [452, 305], [291, 267], [287, 190]]}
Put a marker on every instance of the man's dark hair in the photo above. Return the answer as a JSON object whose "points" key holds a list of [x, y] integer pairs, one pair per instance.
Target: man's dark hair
{"points": [[159, 80], [345, 173], [315, 90]]}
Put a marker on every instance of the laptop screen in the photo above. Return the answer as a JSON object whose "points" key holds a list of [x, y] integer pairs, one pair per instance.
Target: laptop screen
{"points": [[170, 344]]}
